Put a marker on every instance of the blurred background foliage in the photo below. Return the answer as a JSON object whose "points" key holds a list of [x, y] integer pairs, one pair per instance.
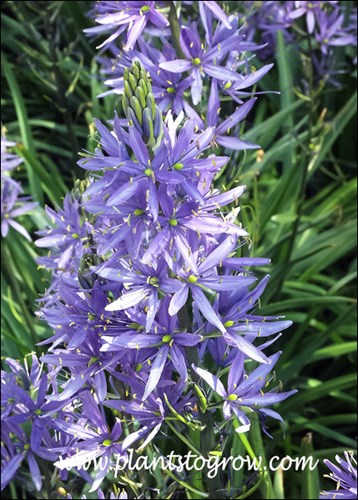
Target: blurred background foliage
{"points": [[299, 208]]}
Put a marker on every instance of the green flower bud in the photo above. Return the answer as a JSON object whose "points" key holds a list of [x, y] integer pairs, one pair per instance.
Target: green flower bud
{"points": [[151, 103], [139, 92], [142, 84], [135, 105], [140, 108], [127, 89], [148, 128]]}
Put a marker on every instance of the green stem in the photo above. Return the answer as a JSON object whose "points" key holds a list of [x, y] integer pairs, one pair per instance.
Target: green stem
{"points": [[184, 439], [208, 440], [207, 436], [175, 29], [266, 487]]}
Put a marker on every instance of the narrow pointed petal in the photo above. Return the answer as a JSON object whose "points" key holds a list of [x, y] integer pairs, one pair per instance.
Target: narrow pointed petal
{"points": [[176, 66], [211, 380], [221, 252], [178, 300], [128, 299], [156, 371], [267, 399], [247, 348], [220, 73], [206, 308]]}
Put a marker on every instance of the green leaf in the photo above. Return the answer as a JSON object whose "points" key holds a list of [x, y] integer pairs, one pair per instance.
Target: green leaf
{"points": [[310, 481], [286, 96], [24, 126], [335, 129]]}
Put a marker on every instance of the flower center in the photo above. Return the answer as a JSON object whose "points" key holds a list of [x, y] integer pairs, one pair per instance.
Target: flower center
{"points": [[166, 339], [107, 442], [232, 397], [92, 361], [196, 61], [152, 281], [192, 279], [173, 222], [178, 166], [171, 90]]}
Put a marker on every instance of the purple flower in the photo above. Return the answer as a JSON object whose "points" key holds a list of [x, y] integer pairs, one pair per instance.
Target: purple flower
{"points": [[224, 128], [218, 13], [93, 440], [9, 161], [145, 272], [331, 31], [198, 274], [132, 15], [26, 421], [162, 341], [345, 476], [14, 452], [311, 10], [153, 410], [11, 205], [140, 282], [244, 392], [69, 235], [200, 61]]}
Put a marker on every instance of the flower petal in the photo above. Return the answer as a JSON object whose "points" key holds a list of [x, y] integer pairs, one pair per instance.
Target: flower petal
{"points": [[211, 380]]}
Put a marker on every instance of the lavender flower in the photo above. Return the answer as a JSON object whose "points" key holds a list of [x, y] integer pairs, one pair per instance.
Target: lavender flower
{"points": [[183, 253], [122, 15], [199, 61], [345, 476], [244, 392], [327, 25], [93, 440], [144, 272], [309, 9], [9, 161], [19, 412], [12, 206], [69, 236]]}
